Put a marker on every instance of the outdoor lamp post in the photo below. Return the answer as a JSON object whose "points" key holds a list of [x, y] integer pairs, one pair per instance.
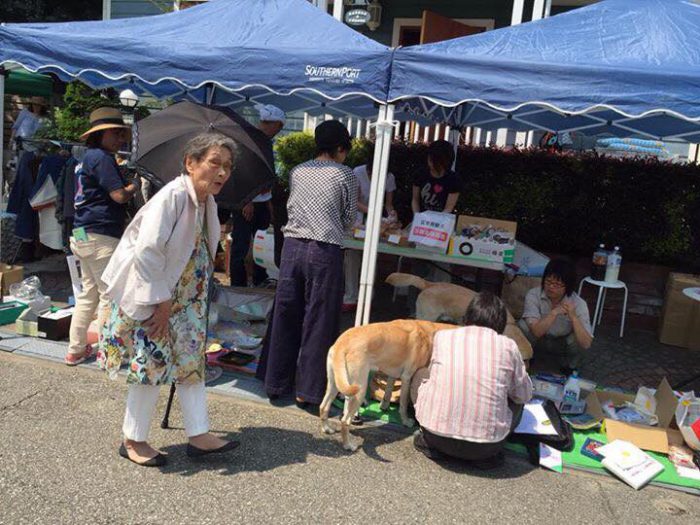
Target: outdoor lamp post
{"points": [[129, 100]]}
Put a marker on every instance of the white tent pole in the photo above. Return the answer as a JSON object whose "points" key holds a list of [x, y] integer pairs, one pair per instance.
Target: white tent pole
{"points": [[385, 129], [538, 10], [338, 10], [371, 216], [517, 16], [2, 139]]}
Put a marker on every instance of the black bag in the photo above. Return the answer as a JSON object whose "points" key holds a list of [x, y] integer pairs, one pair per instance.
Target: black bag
{"points": [[564, 440]]}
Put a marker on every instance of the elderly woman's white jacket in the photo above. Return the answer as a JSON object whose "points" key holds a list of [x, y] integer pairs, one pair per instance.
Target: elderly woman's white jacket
{"points": [[151, 256]]}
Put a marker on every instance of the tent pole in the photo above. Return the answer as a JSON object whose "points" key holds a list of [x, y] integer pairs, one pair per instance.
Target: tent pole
{"points": [[385, 128], [2, 139], [369, 230]]}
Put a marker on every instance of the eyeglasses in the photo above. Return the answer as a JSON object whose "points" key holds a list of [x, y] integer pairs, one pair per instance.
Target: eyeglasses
{"points": [[554, 284]]}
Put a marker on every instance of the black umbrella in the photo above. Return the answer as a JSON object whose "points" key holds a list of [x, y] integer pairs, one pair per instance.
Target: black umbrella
{"points": [[159, 142]]}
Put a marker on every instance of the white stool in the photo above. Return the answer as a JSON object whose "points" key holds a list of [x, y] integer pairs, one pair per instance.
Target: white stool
{"points": [[600, 303]]}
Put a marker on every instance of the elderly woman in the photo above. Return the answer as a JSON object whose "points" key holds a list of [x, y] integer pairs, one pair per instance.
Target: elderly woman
{"points": [[158, 282]]}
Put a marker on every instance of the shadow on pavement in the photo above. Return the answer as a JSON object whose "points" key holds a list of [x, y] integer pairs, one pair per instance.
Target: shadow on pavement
{"points": [[514, 467], [262, 449]]}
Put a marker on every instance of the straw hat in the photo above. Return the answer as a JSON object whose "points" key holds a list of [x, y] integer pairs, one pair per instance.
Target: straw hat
{"points": [[105, 118]]}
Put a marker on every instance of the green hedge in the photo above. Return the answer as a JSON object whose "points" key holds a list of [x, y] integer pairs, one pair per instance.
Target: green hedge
{"points": [[568, 204]]}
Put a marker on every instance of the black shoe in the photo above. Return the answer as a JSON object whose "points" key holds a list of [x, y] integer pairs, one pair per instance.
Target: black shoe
{"points": [[420, 445], [195, 452], [155, 461]]}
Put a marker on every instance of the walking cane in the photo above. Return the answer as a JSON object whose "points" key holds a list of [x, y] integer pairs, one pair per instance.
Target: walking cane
{"points": [[164, 423]]}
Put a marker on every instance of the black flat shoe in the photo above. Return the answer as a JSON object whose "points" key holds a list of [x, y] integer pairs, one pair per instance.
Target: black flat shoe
{"points": [[195, 452], [156, 461]]}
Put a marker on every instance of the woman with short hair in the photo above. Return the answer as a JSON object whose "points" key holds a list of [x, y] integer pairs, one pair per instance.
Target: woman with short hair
{"points": [[470, 397], [306, 318], [555, 319], [158, 281]]}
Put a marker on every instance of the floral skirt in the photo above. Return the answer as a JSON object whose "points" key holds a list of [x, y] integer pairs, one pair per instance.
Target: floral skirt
{"points": [[179, 357]]}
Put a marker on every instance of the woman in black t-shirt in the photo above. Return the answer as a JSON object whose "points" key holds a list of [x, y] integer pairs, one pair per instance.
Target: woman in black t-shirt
{"points": [[438, 188]]}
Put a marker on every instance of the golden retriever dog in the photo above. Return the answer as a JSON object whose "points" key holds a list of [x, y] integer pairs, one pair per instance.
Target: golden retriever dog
{"points": [[447, 301], [397, 348]]}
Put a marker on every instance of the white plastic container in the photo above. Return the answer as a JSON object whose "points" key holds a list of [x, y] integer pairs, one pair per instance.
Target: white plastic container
{"points": [[612, 270], [572, 388]]}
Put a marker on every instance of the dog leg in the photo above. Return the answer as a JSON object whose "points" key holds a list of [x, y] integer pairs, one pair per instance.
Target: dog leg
{"points": [[352, 404], [331, 392], [403, 400], [387, 393]]}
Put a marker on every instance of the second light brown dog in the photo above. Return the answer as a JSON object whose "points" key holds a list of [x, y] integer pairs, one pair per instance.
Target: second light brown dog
{"points": [[447, 301]]}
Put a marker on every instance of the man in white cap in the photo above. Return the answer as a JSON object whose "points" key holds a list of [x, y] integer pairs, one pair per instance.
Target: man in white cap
{"points": [[255, 215]]}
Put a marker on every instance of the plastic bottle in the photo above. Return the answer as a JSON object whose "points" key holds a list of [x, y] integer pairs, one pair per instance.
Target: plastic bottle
{"points": [[572, 388], [612, 270], [600, 263]]}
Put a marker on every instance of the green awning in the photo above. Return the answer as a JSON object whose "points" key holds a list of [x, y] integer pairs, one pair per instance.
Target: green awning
{"points": [[28, 84]]}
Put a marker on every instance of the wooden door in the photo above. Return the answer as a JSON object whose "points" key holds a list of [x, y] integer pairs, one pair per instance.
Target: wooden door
{"points": [[436, 28]]}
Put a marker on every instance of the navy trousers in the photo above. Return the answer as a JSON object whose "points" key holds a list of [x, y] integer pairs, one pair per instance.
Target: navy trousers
{"points": [[241, 237], [305, 319]]}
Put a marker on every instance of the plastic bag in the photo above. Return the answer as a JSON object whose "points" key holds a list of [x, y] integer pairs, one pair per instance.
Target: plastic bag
{"points": [[687, 417], [26, 290]]}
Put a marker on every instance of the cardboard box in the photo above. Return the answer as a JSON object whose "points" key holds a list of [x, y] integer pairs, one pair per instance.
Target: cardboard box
{"points": [[658, 438], [680, 317], [55, 325], [500, 249], [10, 274]]}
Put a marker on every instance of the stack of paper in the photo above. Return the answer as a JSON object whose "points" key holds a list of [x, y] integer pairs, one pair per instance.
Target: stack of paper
{"points": [[629, 463]]}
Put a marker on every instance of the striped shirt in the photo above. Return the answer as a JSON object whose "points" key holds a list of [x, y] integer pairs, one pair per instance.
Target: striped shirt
{"points": [[473, 372], [322, 201]]}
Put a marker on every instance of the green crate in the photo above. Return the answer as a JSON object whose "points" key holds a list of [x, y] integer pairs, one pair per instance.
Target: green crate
{"points": [[10, 311]]}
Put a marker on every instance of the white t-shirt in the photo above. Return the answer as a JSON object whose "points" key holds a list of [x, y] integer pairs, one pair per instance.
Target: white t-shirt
{"points": [[363, 186]]}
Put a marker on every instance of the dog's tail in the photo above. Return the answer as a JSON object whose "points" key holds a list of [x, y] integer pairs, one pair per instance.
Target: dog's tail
{"points": [[406, 279], [340, 373]]}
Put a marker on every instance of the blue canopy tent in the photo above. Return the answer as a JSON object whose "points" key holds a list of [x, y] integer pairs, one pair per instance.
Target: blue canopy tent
{"points": [[625, 67], [283, 50], [226, 52], [621, 67]]}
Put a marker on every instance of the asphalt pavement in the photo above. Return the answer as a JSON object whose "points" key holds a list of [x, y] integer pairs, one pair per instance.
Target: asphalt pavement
{"points": [[60, 429]]}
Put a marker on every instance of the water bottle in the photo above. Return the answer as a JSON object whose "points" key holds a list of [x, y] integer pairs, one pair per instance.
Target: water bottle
{"points": [[600, 263], [572, 388], [612, 270]]}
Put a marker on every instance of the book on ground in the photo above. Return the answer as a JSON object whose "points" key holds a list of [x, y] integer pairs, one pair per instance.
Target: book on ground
{"points": [[629, 463]]}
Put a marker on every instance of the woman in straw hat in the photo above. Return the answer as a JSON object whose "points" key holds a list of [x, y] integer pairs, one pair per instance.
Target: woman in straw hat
{"points": [[101, 194], [158, 281]]}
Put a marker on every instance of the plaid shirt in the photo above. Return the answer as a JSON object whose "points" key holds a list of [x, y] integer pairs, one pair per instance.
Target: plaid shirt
{"points": [[322, 201], [473, 372]]}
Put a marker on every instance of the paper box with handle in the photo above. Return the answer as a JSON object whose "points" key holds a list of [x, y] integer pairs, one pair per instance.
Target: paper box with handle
{"points": [[484, 239], [680, 317], [655, 438], [10, 274]]}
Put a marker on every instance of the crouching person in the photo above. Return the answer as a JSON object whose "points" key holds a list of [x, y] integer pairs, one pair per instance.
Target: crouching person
{"points": [[555, 319], [471, 396]]}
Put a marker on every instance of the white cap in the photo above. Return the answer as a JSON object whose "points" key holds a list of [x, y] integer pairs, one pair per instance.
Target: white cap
{"points": [[270, 113]]}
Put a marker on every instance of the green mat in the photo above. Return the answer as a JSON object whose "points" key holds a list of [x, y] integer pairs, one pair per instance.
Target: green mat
{"points": [[573, 459]]}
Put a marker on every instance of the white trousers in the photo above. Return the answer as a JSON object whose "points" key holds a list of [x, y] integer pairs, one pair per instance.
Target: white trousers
{"points": [[141, 404]]}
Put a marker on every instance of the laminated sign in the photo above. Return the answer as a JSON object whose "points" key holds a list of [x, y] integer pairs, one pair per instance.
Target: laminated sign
{"points": [[432, 230]]}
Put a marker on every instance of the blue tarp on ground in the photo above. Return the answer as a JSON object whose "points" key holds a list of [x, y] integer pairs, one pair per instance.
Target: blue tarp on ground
{"points": [[258, 49], [607, 62]]}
